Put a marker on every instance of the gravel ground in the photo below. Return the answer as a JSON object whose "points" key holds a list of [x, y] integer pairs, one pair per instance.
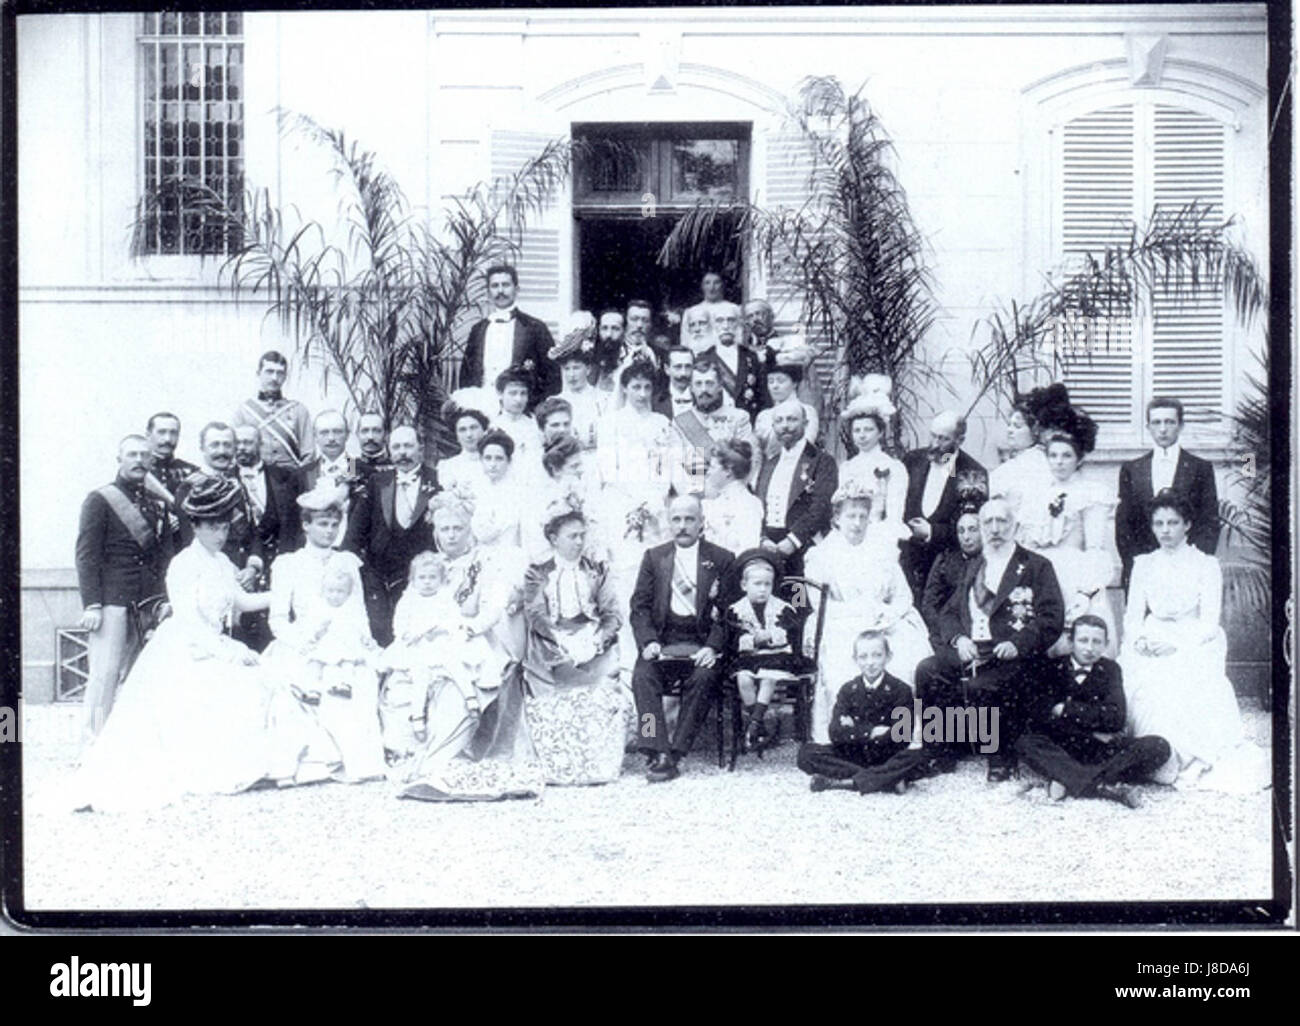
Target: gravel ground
{"points": [[756, 836]]}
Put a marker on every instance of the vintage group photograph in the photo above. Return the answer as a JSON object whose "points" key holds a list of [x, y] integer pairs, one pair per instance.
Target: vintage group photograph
{"points": [[652, 459]]}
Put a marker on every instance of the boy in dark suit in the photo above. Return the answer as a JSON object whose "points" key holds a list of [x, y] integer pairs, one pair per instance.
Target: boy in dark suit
{"points": [[1075, 725], [871, 748], [1167, 465], [993, 634], [679, 631]]}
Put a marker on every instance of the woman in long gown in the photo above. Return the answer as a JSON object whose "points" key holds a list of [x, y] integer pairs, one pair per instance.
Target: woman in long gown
{"points": [[733, 515], [866, 590], [1066, 518], [346, 744], [634, 461], [476, 747], [865, 422], [576, 710], [192, 716], [1174, 658]]}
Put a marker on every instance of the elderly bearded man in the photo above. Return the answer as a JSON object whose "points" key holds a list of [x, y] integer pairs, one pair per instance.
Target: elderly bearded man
{"points": [[743, 371]]}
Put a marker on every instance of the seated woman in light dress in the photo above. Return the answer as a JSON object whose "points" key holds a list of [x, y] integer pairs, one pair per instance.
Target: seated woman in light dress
{"points": [[1022, 452], [1065, 517], [347, 744], [498, 502], [733, 515], [192, 715], [1174, 658], [866, 591], [576, 710], [865, 424], [468, 411]]}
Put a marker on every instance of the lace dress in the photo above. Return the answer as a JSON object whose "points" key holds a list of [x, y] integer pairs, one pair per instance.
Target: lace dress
{"points": [[192, 716], [1066, 522], [886, 479], [867, 591], [1185, 696]]}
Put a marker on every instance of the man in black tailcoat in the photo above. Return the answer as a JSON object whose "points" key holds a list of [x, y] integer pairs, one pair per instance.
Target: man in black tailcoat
{"points": [[508, 338]]}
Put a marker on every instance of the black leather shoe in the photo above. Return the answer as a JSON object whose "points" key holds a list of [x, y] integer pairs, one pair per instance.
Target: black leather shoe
{"points": [[1118, 793], [663, 768], [999, 774]]}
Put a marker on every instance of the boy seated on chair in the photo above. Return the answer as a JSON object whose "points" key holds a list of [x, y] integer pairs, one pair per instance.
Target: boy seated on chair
{"points": [[1074, 732], [759, 629], [868, 750]]}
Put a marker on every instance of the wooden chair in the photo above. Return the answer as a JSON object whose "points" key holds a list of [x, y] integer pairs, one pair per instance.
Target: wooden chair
{"points": [[793, 689], [675, 671]]}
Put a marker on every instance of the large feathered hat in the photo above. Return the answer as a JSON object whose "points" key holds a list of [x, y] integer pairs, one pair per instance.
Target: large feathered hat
{"points": [[210, 498], [578, 339], [476, 399], [872, 396]]}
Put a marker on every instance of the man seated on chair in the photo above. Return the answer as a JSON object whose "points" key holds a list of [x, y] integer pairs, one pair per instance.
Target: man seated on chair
{"points": [[679, 635], [1075, 725], [760, 627], [869, 750], [994, 632]]}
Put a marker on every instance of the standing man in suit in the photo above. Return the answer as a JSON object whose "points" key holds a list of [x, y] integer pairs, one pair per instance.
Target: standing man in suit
{"points": [[332, 463], [743, 371], [284, 424], [388, 528], [994, 630], [676, 621], [678, 398], [273, 494], [936, 478], [123, 544], [796, 487], [1075, 725], [1167, 465], [507, 338]]}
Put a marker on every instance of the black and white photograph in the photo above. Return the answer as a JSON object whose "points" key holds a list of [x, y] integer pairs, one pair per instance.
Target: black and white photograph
{"points": [[617, 461]]}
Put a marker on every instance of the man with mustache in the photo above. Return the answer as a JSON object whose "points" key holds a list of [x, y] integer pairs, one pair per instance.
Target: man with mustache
{"points": [[741, 369], [284, 424], [508, 338], [675, 619], [272, 493], [710, 421], [123, 544], [937, 477], [796, 486], [372, 439]]}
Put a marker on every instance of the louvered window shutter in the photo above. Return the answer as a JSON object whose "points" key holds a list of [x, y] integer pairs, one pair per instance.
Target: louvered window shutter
{"points": [[789, 166], [1188, 355], [1117, 166], [1097, 205], [538, 259]]}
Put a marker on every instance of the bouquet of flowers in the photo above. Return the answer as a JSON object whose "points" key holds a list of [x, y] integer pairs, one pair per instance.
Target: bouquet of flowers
{"points": [[637, 522]]}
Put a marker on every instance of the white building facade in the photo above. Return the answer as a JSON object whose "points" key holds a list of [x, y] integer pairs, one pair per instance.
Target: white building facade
{"points": [[1022, 135]]}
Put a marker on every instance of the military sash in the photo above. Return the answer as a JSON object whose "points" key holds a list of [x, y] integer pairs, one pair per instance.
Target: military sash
{"points": [[140, 530], [269, 421], [694, 431]]}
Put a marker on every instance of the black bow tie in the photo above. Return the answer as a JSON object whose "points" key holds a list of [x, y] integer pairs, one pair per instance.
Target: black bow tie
{"points": [[269, 397]]}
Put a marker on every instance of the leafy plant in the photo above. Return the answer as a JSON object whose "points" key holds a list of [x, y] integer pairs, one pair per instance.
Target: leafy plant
{"points": [[852, 251], [1248, 574], [1178, 253], [383, 311]]}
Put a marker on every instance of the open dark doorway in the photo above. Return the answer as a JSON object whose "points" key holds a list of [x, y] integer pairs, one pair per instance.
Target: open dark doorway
{"points": [[618, 260]]}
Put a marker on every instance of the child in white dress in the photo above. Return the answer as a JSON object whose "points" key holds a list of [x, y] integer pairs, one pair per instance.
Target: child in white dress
{"points": [[429, 644]]}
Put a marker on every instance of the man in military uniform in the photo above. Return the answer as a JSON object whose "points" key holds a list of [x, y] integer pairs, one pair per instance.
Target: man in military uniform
{"points": [[284, 424], [373, 440], [163, 432], [123, 544], [698, 430]]}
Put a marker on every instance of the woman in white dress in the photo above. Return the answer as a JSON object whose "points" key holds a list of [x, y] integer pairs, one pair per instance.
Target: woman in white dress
{"points": [[733, 515], [463, 473], [1174, 658], [192, 716], [866, 590], [1066, 518], [348, 745], [865, 422], [498, 502], [569, 481]]}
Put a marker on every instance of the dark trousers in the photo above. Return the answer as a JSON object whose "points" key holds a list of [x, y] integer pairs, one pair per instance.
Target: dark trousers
{"points": [[1124, 760], [871, 767], [698, 686], [381, 602], [944, 682], [253, 630]]}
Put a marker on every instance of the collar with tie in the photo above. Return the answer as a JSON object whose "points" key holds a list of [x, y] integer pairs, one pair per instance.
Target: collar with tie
{"points": [[250, 473], [269, 397], [502, 316], [406, 478]]}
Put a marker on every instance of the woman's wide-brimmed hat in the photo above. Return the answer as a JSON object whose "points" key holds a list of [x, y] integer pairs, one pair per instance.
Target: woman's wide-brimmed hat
{"points": [[851, 489], [578, 340], [873, 396], [326, 495], [210, 498], [477, 399]]}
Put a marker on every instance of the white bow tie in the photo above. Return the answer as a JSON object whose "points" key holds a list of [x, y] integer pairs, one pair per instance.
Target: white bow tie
{"points": [[502, 316], [407, 479], [249, 473]]}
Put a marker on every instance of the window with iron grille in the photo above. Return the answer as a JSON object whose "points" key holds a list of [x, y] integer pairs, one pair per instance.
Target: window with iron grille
{"points": [[192, 131]]}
